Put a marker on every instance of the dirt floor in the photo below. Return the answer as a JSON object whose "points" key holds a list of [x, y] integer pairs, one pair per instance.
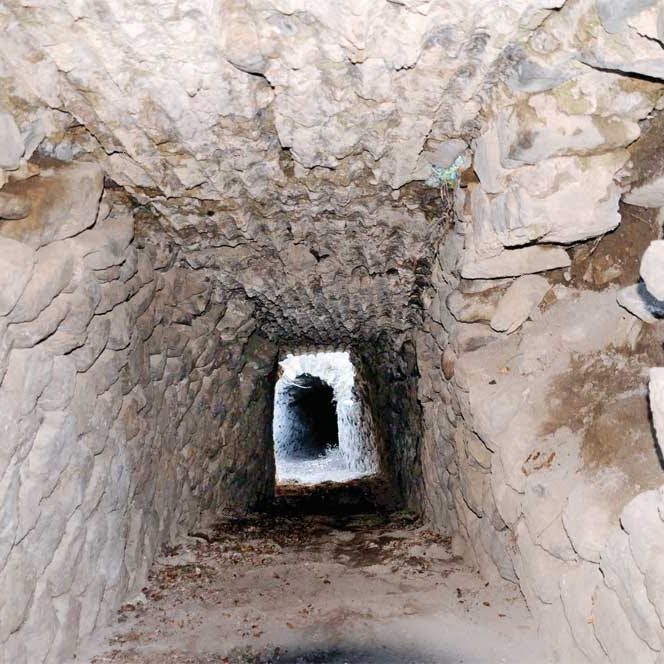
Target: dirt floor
{"points": [[319, 580]]}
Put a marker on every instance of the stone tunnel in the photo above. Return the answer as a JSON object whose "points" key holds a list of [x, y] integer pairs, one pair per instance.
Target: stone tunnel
{"points": [[463, 200]]}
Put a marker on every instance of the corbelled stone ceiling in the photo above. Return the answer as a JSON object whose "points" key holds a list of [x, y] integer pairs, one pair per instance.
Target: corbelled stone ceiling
{"points": [[280, 143], [466, 195]]}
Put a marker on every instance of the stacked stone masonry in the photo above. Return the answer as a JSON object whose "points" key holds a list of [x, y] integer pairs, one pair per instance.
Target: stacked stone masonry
{"points": [[128, 395], [266, 170], [538, 449]]}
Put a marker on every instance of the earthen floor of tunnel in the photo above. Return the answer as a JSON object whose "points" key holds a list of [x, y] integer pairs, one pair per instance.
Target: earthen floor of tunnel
{"points": [[307, 584]]}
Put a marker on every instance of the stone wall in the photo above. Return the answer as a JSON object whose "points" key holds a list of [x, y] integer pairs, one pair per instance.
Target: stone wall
{"points": [[130, 396], [388, 370], [504, 357], [538, 451]]}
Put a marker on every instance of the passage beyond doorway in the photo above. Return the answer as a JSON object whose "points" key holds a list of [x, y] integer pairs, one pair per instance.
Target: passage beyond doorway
{"points": [[322, 430]]}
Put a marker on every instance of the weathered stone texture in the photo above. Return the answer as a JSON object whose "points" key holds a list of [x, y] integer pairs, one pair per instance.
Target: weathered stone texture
{"points": [[274, 153], [94, 434]]}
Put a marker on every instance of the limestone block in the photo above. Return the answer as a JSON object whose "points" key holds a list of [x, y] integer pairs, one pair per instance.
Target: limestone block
{"points": [[649, 23], [447, 362], [477, 450], [563, 200], [622, 575], [73, 331], [13, 207], [105, 245], [130, 266], [121, 328], [487, 163], [157, 366], [641, 520], [49, 456], [142, 300], [16, 266], [638, 301], [519, 302], [28, 372], [17, 581], [473, 483], [11, 143], [515, 262], [64, 201], [508, 501], [625, 46], [53, 271], [60, 391], [5, 346], [27, 335], [554, 539], [144, 268], [471, 337], [652, 268], [68, 609], [531, 75], [656, 389], [538, 129], [41, 623], [648, 195], [468, 308], [654, 580], [109, 274], [589, 518], [498, 547], [555, 632], [614, 15], [577, 588], [112, 294], [539, 572], [97, 338], [82, 405], [9, 489], [106, 370], [615, 633]]}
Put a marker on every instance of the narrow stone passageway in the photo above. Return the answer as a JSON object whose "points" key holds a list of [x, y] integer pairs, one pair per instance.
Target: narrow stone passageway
{"points": [[329, 576], [332, 331], [322, 431]]}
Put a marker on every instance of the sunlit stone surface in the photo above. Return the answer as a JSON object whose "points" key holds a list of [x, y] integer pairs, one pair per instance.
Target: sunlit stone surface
{"points": [[351, 452]]}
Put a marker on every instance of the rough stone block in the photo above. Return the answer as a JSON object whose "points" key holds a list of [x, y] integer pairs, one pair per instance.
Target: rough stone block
{"points": [[615, 633], [16, 266], [622, 575], [652, 269], [515, 262], [577, 588], [538, 129], [11, 143], [27, 335], [13, 207], [64, 201], [28, 372], [648, 195], [656, 387], [53, 272], [519, 302], [638, 301]]}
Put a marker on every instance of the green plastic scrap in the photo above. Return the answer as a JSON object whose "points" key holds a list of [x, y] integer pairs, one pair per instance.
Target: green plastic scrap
{"points": [[445, 176]]}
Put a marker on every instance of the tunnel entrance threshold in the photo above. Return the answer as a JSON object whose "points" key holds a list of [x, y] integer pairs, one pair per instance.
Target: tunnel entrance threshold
{"points": [[322, 430]]}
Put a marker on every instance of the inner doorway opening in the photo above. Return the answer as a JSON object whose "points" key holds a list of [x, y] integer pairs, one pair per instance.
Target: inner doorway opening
{"points": [[323, 430]]}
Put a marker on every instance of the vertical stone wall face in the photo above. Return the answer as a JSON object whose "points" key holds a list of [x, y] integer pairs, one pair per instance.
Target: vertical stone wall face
{"points": [[137, 400], [388, 371], [537, 449], [356, 428], [128, 398]]}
